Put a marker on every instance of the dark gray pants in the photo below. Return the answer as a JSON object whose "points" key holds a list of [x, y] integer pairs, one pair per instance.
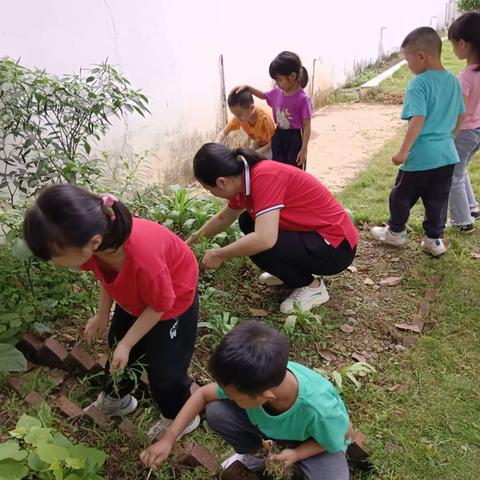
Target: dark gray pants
{"points": [[232, 424], [433, 187]]}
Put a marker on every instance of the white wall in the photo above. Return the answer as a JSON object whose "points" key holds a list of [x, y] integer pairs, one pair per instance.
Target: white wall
{"points": [[170, 49]]}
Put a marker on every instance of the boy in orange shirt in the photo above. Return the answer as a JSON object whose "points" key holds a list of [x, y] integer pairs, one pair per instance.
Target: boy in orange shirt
{"points": [[254, 121]]}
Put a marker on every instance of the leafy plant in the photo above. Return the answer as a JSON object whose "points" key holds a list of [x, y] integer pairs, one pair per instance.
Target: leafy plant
{"points": [[40, 452], [467, 5], [219, 325], [300, 322], [48, 123], [351, 373], [11, 360]]}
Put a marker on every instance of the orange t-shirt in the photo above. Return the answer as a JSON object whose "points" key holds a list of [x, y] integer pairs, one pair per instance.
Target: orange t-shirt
{"points": [[261, 132]]}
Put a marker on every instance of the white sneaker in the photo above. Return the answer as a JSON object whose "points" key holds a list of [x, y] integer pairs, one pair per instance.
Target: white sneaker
{"points": [[385, 235], [269, 279], [115, 407], [306, 298], [163, 423], [433, 246], [251, 461]]}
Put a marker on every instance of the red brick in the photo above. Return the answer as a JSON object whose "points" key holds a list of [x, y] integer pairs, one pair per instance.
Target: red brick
{"points": [[15, 382], [408, 341], [97, 416], [34, 398], [435, 279], [79, 359], [238, 471], [68, 384], [430, 294], [30, 345], [68, 408], [196, 456], [358, 437], [53, 354], [128, 428], [423, 308]]}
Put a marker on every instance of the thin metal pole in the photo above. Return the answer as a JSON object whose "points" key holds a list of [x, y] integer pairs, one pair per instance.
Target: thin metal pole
{"points": [[223, 96]]}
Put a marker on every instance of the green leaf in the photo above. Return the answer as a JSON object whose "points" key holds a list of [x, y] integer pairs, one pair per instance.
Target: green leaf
{"points": [[94, 458], [38, 435], [35, 463], [11, 360], [75, 463], [90, 79], [27, 422], [20, 249], [11, 450], [51, 453], [87, 147], [10, 470]]}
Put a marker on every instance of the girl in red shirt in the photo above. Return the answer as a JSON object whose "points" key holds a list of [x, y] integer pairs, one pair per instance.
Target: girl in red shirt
{"points": [[148, 272], [294, 227]]}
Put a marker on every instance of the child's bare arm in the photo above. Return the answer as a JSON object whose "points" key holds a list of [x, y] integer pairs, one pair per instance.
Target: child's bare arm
{"points": [[307, 131], [98, 324], [158, 452], [415, 126], [221, 136], [255, 91], [459, 124]]}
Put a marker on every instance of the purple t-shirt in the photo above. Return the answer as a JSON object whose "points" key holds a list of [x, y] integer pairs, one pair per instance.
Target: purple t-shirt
{"points": [[289, 112]]}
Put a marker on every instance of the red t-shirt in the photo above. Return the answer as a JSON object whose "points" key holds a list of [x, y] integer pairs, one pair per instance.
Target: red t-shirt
{"points": [[306, 205], [160, 271]]}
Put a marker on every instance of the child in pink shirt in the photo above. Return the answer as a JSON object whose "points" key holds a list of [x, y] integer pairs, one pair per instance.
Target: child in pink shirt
{"points": [[464, 34]]}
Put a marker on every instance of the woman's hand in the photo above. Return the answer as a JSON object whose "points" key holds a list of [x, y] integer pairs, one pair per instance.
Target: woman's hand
{"points": [[157, 453], [212, 259], [120, 356], [288, 456], [96, 326]]}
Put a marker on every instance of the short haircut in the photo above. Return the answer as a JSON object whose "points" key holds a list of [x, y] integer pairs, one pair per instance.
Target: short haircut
{"points": [[423, 39], [242, 99], [252, 358]]}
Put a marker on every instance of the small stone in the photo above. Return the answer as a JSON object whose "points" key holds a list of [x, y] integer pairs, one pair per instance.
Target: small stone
{"points": [[430, 294], [327, 355], [391, 281], [352, 269], [368, 281], [395, 259], [435, 279], [258, 312], [358, 357], [345, 328], [424, 308]]}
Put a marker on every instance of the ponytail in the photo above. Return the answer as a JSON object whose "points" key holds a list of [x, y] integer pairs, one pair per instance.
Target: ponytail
{"points": [[65, 216], [214, 160], [286, 63], [303, 77]]}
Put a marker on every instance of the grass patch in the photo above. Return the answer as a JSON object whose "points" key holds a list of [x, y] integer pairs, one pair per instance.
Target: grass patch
{"points": [[428, 428]]}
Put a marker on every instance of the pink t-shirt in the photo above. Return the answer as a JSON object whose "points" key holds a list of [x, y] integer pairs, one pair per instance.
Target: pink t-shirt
{"points": [[289, 112], [470, 82]]}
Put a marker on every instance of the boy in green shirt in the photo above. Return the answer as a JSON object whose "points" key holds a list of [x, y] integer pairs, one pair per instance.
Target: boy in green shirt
{"points": [[260, 395]]}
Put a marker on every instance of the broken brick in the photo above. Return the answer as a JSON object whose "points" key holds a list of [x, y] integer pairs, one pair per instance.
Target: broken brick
{"points": [[34, 399], [15, 382], [96, 415], [68, 384], [128, 428], [408, 341], [238, 471], [79, 359], [435, 279], [53, 354], [195, 455], [358, 437], [423, 308], [430, 294], [30, 345], [68, 408]]}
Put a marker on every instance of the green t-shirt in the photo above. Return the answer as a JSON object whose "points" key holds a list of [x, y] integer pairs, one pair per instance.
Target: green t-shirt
{"points": [[437, 96], [318, 413]]}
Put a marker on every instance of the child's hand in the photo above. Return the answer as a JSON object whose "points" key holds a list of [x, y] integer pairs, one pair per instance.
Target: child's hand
{"points": [[157, 453], [289, 456], [97, 325], [120, 357], [301, 157], [212, 259], [400, 157], [241, 88]]}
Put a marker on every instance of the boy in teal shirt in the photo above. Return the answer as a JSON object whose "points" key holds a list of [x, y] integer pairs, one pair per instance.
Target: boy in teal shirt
{"points": [[433, 106], [261, 395]]}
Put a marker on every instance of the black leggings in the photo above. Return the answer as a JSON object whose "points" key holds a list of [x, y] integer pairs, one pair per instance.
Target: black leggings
{"points": [[297, 256], [165, 351], [285, 146]]}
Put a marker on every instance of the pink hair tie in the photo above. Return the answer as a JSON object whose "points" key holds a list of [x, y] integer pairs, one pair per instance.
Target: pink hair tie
{"points": [[108, 200]]}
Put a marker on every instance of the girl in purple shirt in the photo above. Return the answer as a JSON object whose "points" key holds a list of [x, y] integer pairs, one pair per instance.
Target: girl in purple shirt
{"points": [[292, 109]]}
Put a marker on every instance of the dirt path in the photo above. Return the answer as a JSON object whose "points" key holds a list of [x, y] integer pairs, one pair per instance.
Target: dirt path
{"points": [[345, 136]]}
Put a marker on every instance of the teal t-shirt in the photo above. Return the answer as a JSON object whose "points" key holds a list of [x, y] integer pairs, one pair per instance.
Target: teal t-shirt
{"points": [[437, 96], [318, 413]]}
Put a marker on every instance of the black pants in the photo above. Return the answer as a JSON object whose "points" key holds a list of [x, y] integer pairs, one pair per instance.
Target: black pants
{"points": [[165, 351], [285, 146], [433, 187], [298, 255]]}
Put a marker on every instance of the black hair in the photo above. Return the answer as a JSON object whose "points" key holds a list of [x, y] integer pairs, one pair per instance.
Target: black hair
{"points": [[214, 160], [286, 63], [65, 215], [242, 99], [467, 28], [424, 38], [252, 357]]}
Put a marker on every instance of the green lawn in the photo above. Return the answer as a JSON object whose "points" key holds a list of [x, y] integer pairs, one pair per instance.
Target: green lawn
{"points": [[430, 428], [398, 82]]}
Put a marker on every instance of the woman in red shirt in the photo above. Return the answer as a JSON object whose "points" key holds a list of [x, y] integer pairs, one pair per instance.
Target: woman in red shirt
{"points": [[294, 227], [150, 274]]}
